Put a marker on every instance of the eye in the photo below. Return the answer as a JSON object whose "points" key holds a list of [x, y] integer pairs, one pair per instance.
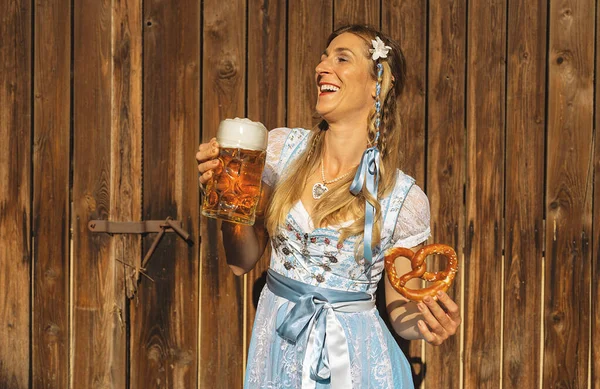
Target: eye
{"points": [[342, 59]]}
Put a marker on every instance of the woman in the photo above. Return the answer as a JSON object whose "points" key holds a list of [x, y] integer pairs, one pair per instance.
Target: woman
{"points": [[336, 202]]}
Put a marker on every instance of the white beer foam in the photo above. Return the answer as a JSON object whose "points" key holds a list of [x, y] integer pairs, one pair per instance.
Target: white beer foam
{"points": [[243, 134]]}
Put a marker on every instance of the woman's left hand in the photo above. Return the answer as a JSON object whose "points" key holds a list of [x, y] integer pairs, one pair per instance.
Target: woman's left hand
{"points": [[441, 318]]}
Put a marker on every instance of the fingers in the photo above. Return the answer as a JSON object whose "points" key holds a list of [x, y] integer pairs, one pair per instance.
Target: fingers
{"points": [[207, 162], [203, 178], [452, 309], [440, 318], [427, 334], [204, 167], [431, 329], [207, 151]]}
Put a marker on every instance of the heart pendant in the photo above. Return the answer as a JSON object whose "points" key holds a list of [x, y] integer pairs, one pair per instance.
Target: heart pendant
{"points": [[318, 190]]}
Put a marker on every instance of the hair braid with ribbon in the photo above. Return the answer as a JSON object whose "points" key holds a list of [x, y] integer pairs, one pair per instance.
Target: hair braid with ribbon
{"points": [[367, 175]]}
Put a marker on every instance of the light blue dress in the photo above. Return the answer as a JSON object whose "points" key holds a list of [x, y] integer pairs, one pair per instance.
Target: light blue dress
{"points": [[315, 257]]}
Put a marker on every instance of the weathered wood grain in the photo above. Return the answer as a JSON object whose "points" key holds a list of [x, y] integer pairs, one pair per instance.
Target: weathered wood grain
{"points": [[406, 22], [304, 51], [446, 145], [356, 12], [164, 317], [266, 98], [595, 259], [126, 155], [96, 322], [524, 193], [486, 69], [222, 293], [126, 139], [51, 202], [15, 193], [568, 194]]}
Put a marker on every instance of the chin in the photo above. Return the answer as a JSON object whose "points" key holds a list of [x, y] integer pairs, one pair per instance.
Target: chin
{"points": [[323, 111], [325, 116]]}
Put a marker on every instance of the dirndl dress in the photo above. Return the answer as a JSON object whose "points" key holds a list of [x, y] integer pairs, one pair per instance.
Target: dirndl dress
{"points": [[316, 325]]}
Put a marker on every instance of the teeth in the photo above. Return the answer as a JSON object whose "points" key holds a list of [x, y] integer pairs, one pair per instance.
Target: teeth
{"points": [[329, 88]]}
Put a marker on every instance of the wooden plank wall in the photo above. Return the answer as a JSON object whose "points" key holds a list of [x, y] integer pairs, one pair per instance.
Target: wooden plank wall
{"points": [[568, 194], [445, 128], [51, 198], [103, 104], [98, 296], [483, 260], [524, 212], [16, 110]]}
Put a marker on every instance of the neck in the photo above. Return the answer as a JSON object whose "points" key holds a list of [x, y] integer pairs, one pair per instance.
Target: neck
{"points": [[343, 148]]}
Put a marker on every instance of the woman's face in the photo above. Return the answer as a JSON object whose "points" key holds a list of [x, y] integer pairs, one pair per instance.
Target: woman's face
{"points": [[346, 88]]}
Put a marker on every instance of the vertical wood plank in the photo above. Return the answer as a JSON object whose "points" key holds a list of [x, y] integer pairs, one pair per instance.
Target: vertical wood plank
{"points": [[304, 51], [51, 202], [266, 98], [222, 293], [164, 317], [126, 152], [524, 196], [97, 294], [356, 12], [485, 189], [126, 141], [406, 22], [568, 194], [446, 145], [15, 192], [595, 322]]}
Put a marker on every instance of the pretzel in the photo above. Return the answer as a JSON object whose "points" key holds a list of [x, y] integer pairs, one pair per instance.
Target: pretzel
{"points": [[441, 280]]}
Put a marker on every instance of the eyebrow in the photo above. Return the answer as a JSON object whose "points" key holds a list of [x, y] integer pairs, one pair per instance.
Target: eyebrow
{"points": [[338, 50]]}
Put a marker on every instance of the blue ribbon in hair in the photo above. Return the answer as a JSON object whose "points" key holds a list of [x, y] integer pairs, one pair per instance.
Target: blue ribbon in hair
{"points": [[367, 177]]}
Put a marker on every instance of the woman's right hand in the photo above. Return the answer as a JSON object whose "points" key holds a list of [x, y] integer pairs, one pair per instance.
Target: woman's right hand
{"points": [[207, 160]]}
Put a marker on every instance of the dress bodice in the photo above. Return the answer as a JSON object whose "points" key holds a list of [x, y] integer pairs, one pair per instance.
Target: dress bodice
{"points": [[315, 255]]}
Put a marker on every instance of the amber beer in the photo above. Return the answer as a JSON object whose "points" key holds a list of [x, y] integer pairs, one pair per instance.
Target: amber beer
{"points": [[234, 191]]}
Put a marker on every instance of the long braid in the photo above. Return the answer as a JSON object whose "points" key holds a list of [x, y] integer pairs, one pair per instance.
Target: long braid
{"points": [[378, 100]]}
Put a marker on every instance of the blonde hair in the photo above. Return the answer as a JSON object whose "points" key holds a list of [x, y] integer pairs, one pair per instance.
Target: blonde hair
{"points": [[338, 204]]}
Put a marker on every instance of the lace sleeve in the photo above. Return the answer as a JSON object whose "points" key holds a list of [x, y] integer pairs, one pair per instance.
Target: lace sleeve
{"points": [[412, 225], [277, 138]]}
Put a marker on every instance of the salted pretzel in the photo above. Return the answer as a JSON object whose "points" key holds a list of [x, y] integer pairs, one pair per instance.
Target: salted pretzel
{"points": [[441, 280]]}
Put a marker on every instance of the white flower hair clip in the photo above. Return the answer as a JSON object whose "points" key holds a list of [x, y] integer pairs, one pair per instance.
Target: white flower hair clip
{"points": [[379, 50]]}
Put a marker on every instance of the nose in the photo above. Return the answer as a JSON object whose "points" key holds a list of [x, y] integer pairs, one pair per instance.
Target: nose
{"points": [[323, 67]]}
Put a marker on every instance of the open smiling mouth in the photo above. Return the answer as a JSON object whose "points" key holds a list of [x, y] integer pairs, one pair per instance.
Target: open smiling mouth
{"points": [[328, 88]]}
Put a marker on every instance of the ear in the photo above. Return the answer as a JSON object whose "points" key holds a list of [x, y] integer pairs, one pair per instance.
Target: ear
{"points": [[374, 89]]}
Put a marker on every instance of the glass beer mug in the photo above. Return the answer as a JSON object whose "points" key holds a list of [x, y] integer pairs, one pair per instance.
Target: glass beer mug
{"points": [[233, 192]]}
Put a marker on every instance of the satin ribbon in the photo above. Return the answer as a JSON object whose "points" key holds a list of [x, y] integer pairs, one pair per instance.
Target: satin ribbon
{"points": [[326, 358], [367, 176]]}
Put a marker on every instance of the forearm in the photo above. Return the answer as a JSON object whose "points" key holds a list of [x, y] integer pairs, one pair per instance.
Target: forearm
{"points": [[404, 321], [244, 245], [403, 313]]}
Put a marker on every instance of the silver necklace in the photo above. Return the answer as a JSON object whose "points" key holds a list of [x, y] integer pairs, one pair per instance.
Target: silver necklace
{"points": [[320, 188]]}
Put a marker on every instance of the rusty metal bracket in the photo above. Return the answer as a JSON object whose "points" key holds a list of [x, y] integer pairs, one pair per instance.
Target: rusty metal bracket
{"points": [[144, 227]]}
